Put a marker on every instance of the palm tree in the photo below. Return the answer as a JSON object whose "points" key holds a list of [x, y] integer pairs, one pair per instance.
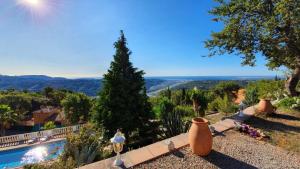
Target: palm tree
{"points": [[7, 118]]}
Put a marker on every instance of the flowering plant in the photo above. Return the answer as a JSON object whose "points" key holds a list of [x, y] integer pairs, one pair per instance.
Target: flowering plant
{"points": [[244, 128]]}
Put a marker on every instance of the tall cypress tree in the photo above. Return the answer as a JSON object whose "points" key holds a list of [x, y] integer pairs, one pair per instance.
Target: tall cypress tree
{"points": [[123, 102]]}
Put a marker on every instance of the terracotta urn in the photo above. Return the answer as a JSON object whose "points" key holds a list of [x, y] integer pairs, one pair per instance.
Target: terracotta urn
{"points": [[200, 137], [265, 106]]}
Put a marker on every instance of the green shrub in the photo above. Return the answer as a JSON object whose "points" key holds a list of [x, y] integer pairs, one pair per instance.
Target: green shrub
{"points": [[199, 99], [251, 97], [225, 88], [171, 120], [213, 106], [270, 89], [174, 124], [156, 110], [58, 164], [177, 97], [49, 125], [225, 105], [185, 111], [290, 103], [166, 93], [76, 107], [84, 147], [34, 166]]}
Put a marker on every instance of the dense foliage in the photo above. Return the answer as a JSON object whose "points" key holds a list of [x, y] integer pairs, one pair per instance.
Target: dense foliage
{"points": [[76, 107], [290, 103], [251, 97], [84, 147], [268, 27], [172, 119], [226, 88], [22, 102], [7, 118], [49, 125], [270, 89], [123, 102], [199, 101], [225, 105]]}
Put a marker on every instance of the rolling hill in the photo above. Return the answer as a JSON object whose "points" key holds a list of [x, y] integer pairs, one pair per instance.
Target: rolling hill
{"points": [[37, 83]]}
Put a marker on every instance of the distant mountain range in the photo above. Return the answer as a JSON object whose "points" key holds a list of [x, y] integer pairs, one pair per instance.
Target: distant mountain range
{"points": [[91, 86]]}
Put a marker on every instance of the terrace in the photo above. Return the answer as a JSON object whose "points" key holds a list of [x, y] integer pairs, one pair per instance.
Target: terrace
{"points": [[231, 149]]}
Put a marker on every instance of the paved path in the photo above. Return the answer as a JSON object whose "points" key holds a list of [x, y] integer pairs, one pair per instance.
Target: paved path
{"points": [[228, 123]]}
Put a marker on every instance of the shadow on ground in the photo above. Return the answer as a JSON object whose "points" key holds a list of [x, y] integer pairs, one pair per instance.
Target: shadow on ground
{"points": [[226, 162], [178, 154], [284, 116], [268, 125]]}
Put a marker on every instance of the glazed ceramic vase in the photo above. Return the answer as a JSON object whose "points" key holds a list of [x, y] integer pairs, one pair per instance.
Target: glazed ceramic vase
{"points": [[200, 137], [265, 106]]}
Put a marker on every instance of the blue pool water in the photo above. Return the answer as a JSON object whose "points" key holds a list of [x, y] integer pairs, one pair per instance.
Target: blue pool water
{"points": [[33, 154]]}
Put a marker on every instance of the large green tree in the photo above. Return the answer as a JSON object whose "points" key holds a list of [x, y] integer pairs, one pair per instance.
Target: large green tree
{"points": [[123, 102], [76, 107], [267, 27], [7, 118]]}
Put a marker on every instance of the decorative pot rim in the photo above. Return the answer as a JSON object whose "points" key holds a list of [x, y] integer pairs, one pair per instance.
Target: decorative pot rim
{"points": [[199, 120]]}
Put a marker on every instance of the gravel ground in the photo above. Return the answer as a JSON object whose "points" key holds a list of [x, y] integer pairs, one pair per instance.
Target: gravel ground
{"points": [[230, 151]]}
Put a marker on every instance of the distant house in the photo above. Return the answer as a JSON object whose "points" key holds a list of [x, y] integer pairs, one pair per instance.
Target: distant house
{"points": [[41, 116]]}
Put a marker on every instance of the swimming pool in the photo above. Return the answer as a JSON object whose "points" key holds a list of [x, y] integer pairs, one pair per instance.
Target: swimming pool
{"points": [[33, 154]]}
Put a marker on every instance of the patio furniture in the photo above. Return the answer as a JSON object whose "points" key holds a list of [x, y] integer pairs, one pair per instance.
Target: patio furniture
{"points": [[32, 140]]}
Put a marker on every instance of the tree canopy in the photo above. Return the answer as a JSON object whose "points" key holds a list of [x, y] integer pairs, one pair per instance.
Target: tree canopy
{"points": [[7, 118], [76, 107], [267, 27]]}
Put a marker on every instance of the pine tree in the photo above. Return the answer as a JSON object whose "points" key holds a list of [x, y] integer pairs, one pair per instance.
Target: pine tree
{"points": [[123, 102]]}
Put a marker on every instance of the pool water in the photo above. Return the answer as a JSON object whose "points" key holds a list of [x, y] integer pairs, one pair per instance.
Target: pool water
{"points": [[33, 154]]}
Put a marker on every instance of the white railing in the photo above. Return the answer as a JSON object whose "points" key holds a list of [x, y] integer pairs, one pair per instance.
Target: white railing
{"points": [[24, 138]]}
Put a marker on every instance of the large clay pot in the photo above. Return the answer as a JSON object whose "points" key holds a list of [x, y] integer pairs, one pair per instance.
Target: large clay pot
{"points": [[200, 137], [265, 106]]}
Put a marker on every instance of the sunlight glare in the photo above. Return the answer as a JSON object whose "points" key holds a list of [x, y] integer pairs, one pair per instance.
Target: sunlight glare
{"points": [[35, 155], [38, 9], [31, 3]]}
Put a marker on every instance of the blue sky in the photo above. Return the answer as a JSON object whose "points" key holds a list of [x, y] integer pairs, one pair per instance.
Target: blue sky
{"points": [[75, 38]]}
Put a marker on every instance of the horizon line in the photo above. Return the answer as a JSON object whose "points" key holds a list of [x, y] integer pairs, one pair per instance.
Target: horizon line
{"points": [[154, 76]]}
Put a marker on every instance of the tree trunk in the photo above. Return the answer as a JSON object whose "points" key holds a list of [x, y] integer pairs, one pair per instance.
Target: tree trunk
{"points": [[292, 83], [196, 107]]}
